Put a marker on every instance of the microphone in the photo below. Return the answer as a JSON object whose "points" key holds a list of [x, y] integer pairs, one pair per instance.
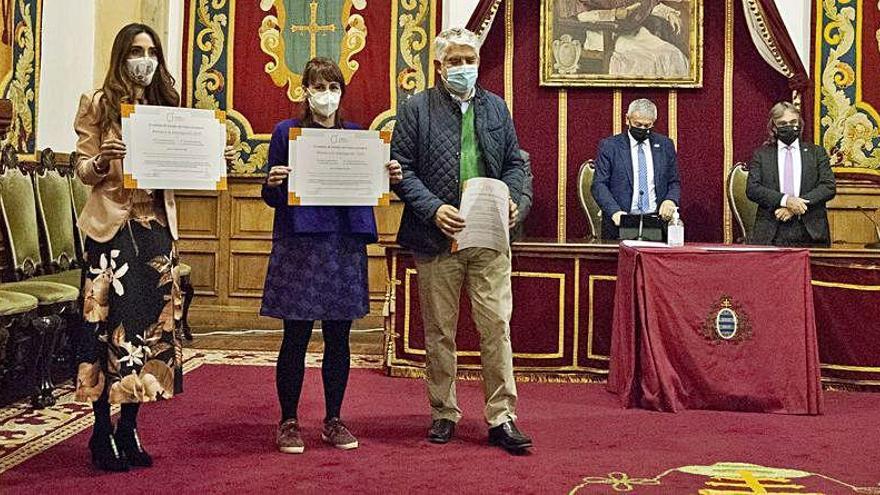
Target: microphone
{"points": [[871, 245], [641, 215]]}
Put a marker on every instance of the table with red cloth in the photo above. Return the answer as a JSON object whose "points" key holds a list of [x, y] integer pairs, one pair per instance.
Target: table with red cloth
{"points": [[714, 327]]}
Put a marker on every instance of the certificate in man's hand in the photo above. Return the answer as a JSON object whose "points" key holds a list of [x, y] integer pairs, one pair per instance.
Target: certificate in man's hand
{"points": [[485, 210], [173, 148], [338, 167]]}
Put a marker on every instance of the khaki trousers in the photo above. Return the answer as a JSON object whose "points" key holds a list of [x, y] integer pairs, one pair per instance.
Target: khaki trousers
{"points": [[487, 274]]}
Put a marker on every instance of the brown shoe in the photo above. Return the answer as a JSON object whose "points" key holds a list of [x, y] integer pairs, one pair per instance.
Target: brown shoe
{"points": [[336, 434], [288, 438]]}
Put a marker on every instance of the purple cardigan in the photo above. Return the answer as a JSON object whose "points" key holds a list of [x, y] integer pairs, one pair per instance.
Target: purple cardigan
{"points": [[294, 220]]}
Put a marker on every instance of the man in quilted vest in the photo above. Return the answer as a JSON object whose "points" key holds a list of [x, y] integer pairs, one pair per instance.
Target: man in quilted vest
{"points": [[444, 136]]}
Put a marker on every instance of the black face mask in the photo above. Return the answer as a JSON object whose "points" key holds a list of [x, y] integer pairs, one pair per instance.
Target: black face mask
{"points": [[788, 134], [639, 134]]}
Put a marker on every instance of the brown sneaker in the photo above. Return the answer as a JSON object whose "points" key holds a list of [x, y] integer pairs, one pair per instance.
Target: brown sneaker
{"points": [[288, 438], [336, 434]]}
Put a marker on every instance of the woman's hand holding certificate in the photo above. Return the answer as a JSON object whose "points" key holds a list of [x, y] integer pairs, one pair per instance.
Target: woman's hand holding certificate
{"points": [[173, 148]]}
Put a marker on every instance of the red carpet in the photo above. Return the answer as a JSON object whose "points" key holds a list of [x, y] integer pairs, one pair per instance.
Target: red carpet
{"points": [[218, 438]]}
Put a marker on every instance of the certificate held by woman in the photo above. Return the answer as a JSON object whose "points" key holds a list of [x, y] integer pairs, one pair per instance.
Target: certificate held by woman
{"points": [[338, 167], [173, 148]]}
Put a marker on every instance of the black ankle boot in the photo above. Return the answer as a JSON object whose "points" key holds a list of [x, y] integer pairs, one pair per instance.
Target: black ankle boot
{"points": [[106, 456], [130, 444]]}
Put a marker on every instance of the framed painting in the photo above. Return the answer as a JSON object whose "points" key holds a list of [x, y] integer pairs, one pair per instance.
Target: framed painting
{"points": [[622, 43]]}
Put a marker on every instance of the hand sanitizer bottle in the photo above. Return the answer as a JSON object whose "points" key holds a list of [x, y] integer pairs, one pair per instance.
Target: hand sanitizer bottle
{"points": [[675, 231]]}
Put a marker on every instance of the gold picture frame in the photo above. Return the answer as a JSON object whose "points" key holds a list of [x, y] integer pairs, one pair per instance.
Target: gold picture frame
{"points": [[621, 43]]}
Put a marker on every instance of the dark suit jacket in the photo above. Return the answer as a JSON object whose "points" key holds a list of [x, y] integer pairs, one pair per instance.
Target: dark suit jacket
{"points": [[613, 180], [817, 186]]}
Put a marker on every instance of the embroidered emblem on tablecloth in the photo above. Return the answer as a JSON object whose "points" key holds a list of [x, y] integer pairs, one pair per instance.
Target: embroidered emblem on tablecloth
{"points": [[726, 322]]}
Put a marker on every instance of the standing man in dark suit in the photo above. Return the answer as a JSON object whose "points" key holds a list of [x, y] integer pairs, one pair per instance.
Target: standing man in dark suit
{"points": [[791, 182], [636, 171]]}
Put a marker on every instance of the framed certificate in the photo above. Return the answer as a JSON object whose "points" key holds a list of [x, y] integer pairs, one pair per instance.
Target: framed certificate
{"points": [[338, 167], [173, 148]]}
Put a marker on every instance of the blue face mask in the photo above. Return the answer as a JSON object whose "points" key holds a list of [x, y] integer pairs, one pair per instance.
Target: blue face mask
{"points": [[462, 78]]}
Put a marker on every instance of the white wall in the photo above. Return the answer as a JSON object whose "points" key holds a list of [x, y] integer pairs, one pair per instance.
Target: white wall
{"points": [[796, 15], [74, 55], [66, 69], [173, 45], [457, 13]]}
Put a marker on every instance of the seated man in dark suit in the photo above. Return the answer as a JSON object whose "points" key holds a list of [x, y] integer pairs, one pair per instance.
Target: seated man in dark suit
{"points": [[791, 182], [636, 171]]}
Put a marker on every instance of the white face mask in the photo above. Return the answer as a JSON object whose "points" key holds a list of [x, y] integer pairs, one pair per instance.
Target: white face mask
{"points": [[324, 103], [142, 69]]}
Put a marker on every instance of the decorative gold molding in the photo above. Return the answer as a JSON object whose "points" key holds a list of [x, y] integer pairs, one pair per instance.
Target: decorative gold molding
{"points": [[508, 54], [673, 116], [617, 112], [843, 367], [839, 285], [728, 115], [577, 313], [592, 280], [562, 166], [560, 352], [273, 43]]}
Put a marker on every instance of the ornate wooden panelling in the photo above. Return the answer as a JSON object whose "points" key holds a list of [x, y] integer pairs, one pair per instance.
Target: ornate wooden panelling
{"points": [[849, 226], [204, 277], [247, 273], [198, 214]]}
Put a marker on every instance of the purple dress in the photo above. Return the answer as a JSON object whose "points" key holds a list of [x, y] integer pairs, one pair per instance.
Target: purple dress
{"points": [[318, 266]]}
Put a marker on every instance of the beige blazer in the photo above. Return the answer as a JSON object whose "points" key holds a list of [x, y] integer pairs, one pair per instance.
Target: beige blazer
{"points": [[109, 204]]}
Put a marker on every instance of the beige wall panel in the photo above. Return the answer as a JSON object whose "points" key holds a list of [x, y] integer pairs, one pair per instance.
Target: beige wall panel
{"points": [[251, 218], [198, 214], [247, 273]]}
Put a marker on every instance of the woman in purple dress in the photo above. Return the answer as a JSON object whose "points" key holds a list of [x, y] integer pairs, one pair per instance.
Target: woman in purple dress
{"points": [[318, 268]]}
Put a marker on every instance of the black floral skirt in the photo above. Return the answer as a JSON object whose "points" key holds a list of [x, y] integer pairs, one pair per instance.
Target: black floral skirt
{"points": [[130, 350]]}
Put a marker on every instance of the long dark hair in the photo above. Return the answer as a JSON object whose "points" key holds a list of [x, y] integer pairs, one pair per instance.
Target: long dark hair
{"points": [[316, 69], [777, 111], [118, 86]]}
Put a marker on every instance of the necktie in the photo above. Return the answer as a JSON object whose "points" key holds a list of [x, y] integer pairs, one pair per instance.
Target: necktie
{"points": [[643, 179], [788, 173]]}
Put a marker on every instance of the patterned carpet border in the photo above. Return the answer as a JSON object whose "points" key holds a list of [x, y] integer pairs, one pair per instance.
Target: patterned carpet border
{"points": [[26, 432]]}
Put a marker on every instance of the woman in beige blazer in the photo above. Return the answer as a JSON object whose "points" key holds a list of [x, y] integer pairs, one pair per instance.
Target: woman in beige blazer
{"points": [[130, 350]]}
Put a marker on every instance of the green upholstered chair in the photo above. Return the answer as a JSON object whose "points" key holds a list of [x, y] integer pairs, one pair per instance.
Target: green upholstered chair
{"points": [[13, 303], [588, 203], [56, 301], [16, 310], [55, 213], [79, 194], [55, 216], [744, 210]]}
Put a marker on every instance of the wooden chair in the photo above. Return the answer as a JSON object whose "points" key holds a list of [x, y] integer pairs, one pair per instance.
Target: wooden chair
{"points": [[56, 220], [16, 345], [744, 210], [588, 203], [56, 301]]}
